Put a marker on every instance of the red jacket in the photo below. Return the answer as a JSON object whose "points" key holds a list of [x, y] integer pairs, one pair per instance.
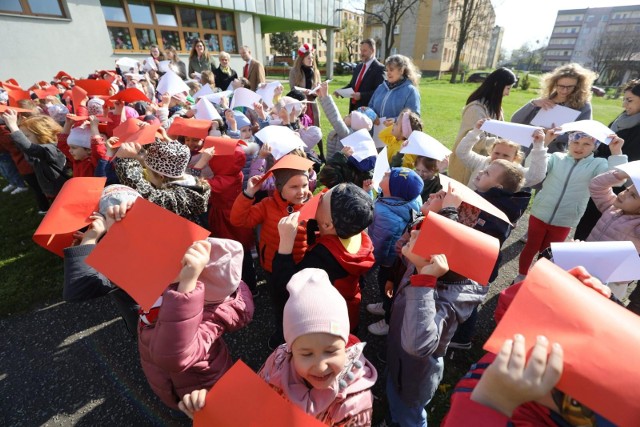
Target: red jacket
{"points": [[226, 185], [268, 212], [24, 168], [86, 167]]}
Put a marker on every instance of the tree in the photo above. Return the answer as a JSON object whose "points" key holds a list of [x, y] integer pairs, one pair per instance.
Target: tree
{"points": [[284, 43], [473, 16], [351, 36], [389, 13], [613, 53]]}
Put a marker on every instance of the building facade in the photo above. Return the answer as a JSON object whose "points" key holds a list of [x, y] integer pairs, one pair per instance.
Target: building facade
{"points": [[41, 37], [429, 33], [577, 31], [493, 56]]}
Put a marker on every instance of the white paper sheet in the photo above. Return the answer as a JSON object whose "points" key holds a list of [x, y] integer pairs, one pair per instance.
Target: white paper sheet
{"points": [[421, 144], [382, 166], [206, 111], [281, 139], [608, 261], [149, 64], [126, 64], [516, 132], [243, 97], [216, 98], [376, 132], [345, 93], [590, 127], [267, 92], [163, 66], [361, 143], [204, 90], [556, 116], [170, 83], [633, 170]]}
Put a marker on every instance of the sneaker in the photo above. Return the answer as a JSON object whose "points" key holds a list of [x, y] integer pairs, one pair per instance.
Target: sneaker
{"points": [[42, 213], [19, 190], [379, 328], [8, 188], [376, 309], [524, 238], [460, 345], [519, 278]]}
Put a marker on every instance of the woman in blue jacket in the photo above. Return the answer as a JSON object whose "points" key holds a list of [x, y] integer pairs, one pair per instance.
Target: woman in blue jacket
{"points": [[399, 91]]}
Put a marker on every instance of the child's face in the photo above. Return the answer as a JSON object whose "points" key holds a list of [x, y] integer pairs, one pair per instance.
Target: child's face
{"points": [[425, 174], [194, 144], [628, 201], [581, 145], [79, 153], [245, 132], [318, 358], [323, 214], [489, 177], [396, 131], [407, 250], [384, 185], [503, 151], [296, 189]]}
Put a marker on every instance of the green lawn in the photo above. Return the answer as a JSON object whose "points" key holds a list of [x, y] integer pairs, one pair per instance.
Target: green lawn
{"points": [[31, 275]]}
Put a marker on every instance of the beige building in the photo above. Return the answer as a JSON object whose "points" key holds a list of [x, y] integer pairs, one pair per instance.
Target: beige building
{"points": [[429, 34]]}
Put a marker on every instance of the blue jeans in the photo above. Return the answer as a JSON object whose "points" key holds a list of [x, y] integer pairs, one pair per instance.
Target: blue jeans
{"points": [[409, 416], [9, 171]]}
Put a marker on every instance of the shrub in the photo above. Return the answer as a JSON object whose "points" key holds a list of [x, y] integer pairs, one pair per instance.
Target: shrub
{"points": [[525, 83]]}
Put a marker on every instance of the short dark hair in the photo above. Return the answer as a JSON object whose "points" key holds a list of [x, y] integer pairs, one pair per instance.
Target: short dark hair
{"points": [[633, 86], [351, 209], [370, 42]]}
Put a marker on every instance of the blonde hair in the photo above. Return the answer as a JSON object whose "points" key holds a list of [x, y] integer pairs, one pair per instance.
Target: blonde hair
{"points": [[224, 54], [414, 119], [408, 68], [519, 154], [207, 78], [44, 128], [582, 92], [512, 177]]}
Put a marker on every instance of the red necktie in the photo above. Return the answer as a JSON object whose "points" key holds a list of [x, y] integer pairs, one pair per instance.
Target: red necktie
{"points": [[358, 81], [246, 70]]}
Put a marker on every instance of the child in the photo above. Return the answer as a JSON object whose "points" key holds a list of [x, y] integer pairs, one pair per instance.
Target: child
{"points": [[395, 208], [342, 248], [37, 138], [84, 148], [503, 149], [393, 137], [428, 170], [564, 195], [166, 183], [195, 167], [316, 370], [238, 125], [182, 349]]}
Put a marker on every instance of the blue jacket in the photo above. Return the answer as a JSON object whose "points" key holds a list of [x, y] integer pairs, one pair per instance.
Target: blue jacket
{"points": [[389, 102], [390, 217]]}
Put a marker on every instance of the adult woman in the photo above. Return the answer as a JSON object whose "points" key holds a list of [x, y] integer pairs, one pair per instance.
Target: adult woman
{"points": [[627, 127], [176, 65], [305, 74], [224, 75], [199, 59], [399, 91], [484, 103], [568, 85]]}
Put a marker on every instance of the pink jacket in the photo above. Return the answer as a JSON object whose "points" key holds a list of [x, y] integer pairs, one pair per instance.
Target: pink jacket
{"points": [[336, 406], [613, 225], [184, 350]]}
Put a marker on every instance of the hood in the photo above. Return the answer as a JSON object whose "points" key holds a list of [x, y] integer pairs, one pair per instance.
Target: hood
{"points": [[228, 165], [512, 204]]}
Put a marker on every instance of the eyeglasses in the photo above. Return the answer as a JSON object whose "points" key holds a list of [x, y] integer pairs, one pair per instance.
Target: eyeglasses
{"points": [[563, 87], [576, 136]]}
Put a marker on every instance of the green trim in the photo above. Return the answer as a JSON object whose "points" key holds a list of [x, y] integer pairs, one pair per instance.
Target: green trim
{"points": [[273, 24]]}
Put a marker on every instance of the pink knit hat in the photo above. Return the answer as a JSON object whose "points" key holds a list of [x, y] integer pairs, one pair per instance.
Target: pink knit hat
{"points": [[314, 306], [224, 269]]}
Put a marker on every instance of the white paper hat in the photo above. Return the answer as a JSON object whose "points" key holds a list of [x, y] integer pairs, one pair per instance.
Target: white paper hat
{"points": [[206, 111], [172, 84], [421, 144], [281, 139]]}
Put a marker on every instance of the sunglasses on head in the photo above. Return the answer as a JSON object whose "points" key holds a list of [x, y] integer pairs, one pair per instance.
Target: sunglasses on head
{"points": [[575, 136]]}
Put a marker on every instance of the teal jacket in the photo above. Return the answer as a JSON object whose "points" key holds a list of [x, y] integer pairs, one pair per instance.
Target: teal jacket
{"points": [[565, 191]]}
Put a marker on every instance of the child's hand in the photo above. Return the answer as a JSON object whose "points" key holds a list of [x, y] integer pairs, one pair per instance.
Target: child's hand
{"points": [[10, 118], [538, 138], [436, 267], [251, 186], [287, 229], [389, 122], [367, 185], [205, 155], [230, 119], [163, 134], [347, 151], [117, 213], [265, 151], [407, 251], [224, 102], [166, 99], [96, 230], [508, 382], [451, 199], [550, 135], [113, 140], [323, 90], [388, 289], [193, 262], [616, 144], [193, 402], [589, 281], [480, 122], [129, 150]]}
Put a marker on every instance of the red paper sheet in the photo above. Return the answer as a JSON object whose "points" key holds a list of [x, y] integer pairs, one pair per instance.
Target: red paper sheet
{"points": [[94, 87], [75, 118], [77, 95], [309, 209], [223, 146], [130, 131], [290, 161], [68, 213], [226, 403], [129, 95], [48, 91], [193, 128], [469, 252], [16, 95], [600, 339], [473, 198], [4, 108], [142, 254]]}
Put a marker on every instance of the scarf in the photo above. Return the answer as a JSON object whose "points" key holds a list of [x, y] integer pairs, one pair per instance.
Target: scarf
{"points": [[226, 70], [396, 84], [625, 121], [308, 76]]}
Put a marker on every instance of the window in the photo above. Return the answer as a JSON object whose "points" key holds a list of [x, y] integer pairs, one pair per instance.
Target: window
{"points": [[45, 8], [136, 24]]}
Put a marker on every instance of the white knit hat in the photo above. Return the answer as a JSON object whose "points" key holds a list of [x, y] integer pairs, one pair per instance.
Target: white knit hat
{"points": [[360, 121], [314, 306]]}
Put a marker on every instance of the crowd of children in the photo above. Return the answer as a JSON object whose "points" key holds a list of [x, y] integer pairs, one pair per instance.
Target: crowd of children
{"points": [[233, 172]]}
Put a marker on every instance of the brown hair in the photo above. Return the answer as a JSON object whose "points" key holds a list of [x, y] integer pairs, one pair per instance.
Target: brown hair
{"points": [[519, 154], [193, 54], [428, 163], [633, 86], [414, 119], [44, 128], [512, 177], [207, 77], [582, 92], [370, 42]]}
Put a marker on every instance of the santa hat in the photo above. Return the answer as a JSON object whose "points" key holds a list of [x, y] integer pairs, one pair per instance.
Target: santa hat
{"points": [[304, 49]]}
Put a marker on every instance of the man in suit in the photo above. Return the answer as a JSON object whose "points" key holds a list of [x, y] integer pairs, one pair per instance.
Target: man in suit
{"points": [[367, 76], [252, 70]]}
